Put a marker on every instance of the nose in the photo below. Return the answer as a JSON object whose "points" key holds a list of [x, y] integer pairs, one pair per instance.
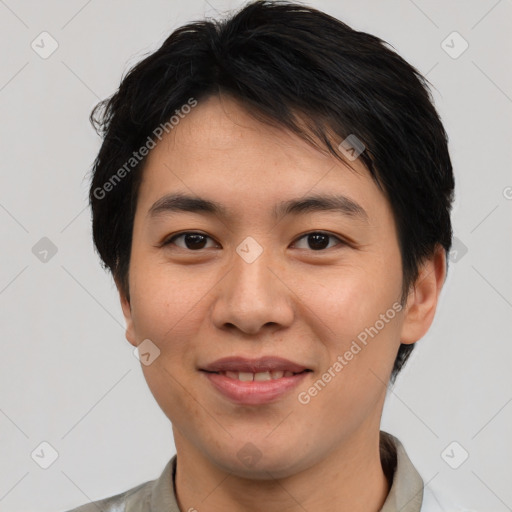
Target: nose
{"points": [[252, 297]]}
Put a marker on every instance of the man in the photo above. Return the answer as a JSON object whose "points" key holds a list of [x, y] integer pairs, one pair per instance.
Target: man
{"points": [[273, 199]]}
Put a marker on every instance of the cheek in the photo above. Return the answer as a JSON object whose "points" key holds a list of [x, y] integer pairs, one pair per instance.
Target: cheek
{"points": [[360, 345], [166, 303], [176, 397], [348, 300], [359, 321], [167, 310]]}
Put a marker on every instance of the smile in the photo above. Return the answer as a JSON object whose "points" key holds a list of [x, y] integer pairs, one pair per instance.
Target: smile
{"points": [[246, 381], [260, 376]]}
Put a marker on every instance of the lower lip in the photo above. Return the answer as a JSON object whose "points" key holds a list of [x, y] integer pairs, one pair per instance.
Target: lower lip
{"points": [[254, 392]]}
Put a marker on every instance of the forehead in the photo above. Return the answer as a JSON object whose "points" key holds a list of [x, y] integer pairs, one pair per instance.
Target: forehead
{"points": [[219, 151]]}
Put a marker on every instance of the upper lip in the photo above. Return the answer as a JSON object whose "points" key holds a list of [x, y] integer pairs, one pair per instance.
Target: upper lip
{"points": [[262, 364]]}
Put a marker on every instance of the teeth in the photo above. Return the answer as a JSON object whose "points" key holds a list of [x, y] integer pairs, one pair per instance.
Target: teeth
{"points": [[259, 376], [262, 376]]}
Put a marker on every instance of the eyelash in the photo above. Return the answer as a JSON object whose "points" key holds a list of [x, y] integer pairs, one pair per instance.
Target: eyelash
{"points": [[170, 240]]}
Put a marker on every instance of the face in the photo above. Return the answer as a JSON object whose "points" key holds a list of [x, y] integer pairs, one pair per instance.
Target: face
{"points": [[274, 289]]}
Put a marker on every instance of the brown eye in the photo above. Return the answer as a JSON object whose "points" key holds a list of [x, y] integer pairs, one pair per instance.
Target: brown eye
{"points": [[319, 240], [192, 241]]}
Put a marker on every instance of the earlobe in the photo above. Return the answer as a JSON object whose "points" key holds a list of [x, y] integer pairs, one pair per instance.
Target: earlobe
{"points": [[127, 313], [423, 297]]}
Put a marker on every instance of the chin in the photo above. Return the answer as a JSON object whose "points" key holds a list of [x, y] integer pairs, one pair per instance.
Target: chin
{"points": [[263, 470], [266, 464]]}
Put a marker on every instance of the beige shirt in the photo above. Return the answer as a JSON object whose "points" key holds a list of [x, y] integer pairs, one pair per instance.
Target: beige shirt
{"points": [[406, 493]]}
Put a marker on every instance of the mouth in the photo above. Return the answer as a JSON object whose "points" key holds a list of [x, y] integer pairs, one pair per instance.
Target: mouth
{"points": [[258, 376], [254, 381], [267, 364]]}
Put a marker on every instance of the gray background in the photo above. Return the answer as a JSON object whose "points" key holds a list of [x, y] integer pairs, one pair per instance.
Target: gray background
{"points": [[69, 378]]}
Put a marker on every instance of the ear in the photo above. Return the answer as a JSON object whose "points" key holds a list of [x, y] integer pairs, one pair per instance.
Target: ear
{"points": [[423, 297], [127, 313]]}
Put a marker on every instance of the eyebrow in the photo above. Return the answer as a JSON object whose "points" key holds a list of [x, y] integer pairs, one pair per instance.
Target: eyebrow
{"points": [[314, 203]]}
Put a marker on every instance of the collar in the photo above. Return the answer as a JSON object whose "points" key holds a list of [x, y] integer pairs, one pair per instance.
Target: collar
{"points": [[405, 494]]}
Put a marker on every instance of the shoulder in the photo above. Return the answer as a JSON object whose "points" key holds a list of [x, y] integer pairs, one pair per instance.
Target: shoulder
{"points": [[136, 498], [438, 501], [146, 497]]}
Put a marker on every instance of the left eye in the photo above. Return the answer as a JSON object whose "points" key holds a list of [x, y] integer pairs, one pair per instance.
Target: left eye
{"points": [[316, 240], [319, 240]]}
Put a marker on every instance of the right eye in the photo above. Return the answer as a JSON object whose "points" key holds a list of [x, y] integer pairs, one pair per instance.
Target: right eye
{"points": [[192, 240]]}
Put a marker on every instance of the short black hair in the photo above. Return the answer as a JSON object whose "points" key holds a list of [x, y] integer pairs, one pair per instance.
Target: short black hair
{"points": [[297, 68]]}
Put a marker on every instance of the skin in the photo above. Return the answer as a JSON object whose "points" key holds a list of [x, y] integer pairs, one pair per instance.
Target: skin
{"points": [[306, 305]]}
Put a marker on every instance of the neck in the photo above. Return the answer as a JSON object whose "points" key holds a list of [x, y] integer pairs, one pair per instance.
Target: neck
{"points": [[351, 479]]}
